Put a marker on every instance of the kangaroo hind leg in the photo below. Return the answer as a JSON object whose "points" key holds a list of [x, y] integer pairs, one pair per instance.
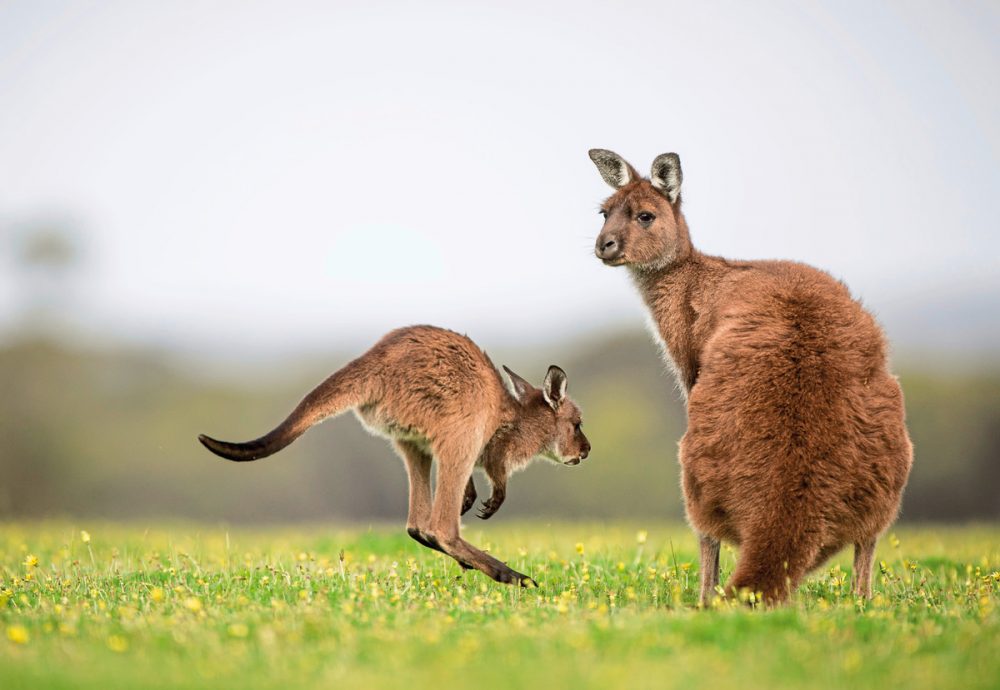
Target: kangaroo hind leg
{"points": [[864, 554], [454, 468], [710, 547], [418, 470]]}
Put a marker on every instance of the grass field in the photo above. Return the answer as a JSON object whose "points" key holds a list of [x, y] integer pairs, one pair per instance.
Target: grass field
{"points": [[102, 606]]}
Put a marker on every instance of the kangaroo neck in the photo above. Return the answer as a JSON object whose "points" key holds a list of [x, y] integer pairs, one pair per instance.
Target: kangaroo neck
{"points": [[674, 296], [516, 441]]}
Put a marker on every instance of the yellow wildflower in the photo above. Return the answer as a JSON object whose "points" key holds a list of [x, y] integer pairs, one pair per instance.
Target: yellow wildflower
{"points": [[31, 561], [193, 604], [85, 536], [18, 634]]}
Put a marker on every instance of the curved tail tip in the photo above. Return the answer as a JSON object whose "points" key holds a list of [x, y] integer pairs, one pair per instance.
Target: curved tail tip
{"points": [[237, 452], [212, 445]]}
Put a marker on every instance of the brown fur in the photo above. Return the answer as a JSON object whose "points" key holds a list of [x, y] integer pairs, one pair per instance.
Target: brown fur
{"points": [[796, 444], [436, 395]]}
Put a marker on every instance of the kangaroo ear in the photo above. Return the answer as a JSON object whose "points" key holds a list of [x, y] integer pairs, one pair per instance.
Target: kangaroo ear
{"points": [[666, 175], [613, 168], [554, 388], [521, 387]]}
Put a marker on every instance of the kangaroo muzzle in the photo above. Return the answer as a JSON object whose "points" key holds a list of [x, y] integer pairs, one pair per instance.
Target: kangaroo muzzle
{"points": [[608, 248]]}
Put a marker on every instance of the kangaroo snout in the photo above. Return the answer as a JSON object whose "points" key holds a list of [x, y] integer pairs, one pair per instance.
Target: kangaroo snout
{"points": [[584, 452], [608, 248]]}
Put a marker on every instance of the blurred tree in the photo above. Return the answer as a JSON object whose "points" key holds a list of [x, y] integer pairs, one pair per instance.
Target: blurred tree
{"points": [[47, 258]]}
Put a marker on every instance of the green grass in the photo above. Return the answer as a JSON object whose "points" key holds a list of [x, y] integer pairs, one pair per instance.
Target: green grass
{"points": [[199, 606]]}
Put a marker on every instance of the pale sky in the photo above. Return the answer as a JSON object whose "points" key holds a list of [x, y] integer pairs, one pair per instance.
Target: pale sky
{"points": [[284, 175]]}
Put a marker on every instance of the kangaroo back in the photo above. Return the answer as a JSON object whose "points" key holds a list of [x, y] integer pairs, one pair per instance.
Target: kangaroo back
{"points": [[342, 391]]}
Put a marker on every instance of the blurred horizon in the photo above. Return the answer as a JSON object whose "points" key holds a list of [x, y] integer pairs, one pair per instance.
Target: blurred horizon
{"points": [[112, 434]]}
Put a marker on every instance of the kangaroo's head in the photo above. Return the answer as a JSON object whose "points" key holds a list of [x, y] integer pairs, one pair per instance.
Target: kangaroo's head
{"points": [[643, 225], [549, 415]]}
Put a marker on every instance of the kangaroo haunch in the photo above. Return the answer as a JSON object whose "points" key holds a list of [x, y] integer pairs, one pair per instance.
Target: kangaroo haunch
{"points": [[437, 396], [796, 443]]}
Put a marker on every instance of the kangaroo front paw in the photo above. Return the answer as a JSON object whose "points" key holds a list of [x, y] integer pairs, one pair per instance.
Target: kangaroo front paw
{"points": [[470, 497], [491, 506], [487, 511]]}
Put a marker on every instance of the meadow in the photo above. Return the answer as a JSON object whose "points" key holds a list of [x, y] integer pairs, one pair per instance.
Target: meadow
{"points": [[181, 605]]}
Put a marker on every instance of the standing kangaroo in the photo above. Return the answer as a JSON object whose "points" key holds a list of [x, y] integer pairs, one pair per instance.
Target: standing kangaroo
{"points": [[436, 395], [796, 443]]}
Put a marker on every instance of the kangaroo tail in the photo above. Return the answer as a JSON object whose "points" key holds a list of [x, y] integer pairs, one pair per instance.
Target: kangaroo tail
{"points": [[340, 392], [774, 559]]}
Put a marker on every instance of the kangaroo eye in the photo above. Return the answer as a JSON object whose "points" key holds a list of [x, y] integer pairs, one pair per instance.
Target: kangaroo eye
{"points": [[577, 426], [604, 213], [646, 217]]}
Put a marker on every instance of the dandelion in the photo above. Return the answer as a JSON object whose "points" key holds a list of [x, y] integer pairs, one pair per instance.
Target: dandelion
{"points": [[579, 548], [18, 634], [31, 561], [117, 643], [641, 537], [85, 538], [193, 604], [156, 594]]}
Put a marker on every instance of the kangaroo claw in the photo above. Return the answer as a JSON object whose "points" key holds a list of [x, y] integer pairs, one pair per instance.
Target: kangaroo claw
{"points": [[469, 499]]}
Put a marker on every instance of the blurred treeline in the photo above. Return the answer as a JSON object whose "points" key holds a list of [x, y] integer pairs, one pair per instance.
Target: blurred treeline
{"points": [[112, 433]]}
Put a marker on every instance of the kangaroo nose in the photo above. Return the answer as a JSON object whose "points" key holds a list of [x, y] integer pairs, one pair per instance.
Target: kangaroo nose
{"points": [[607, 248]]}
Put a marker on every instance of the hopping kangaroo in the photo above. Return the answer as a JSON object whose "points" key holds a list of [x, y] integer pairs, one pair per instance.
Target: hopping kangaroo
{"points": [[436, 395], [796, 443]]}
